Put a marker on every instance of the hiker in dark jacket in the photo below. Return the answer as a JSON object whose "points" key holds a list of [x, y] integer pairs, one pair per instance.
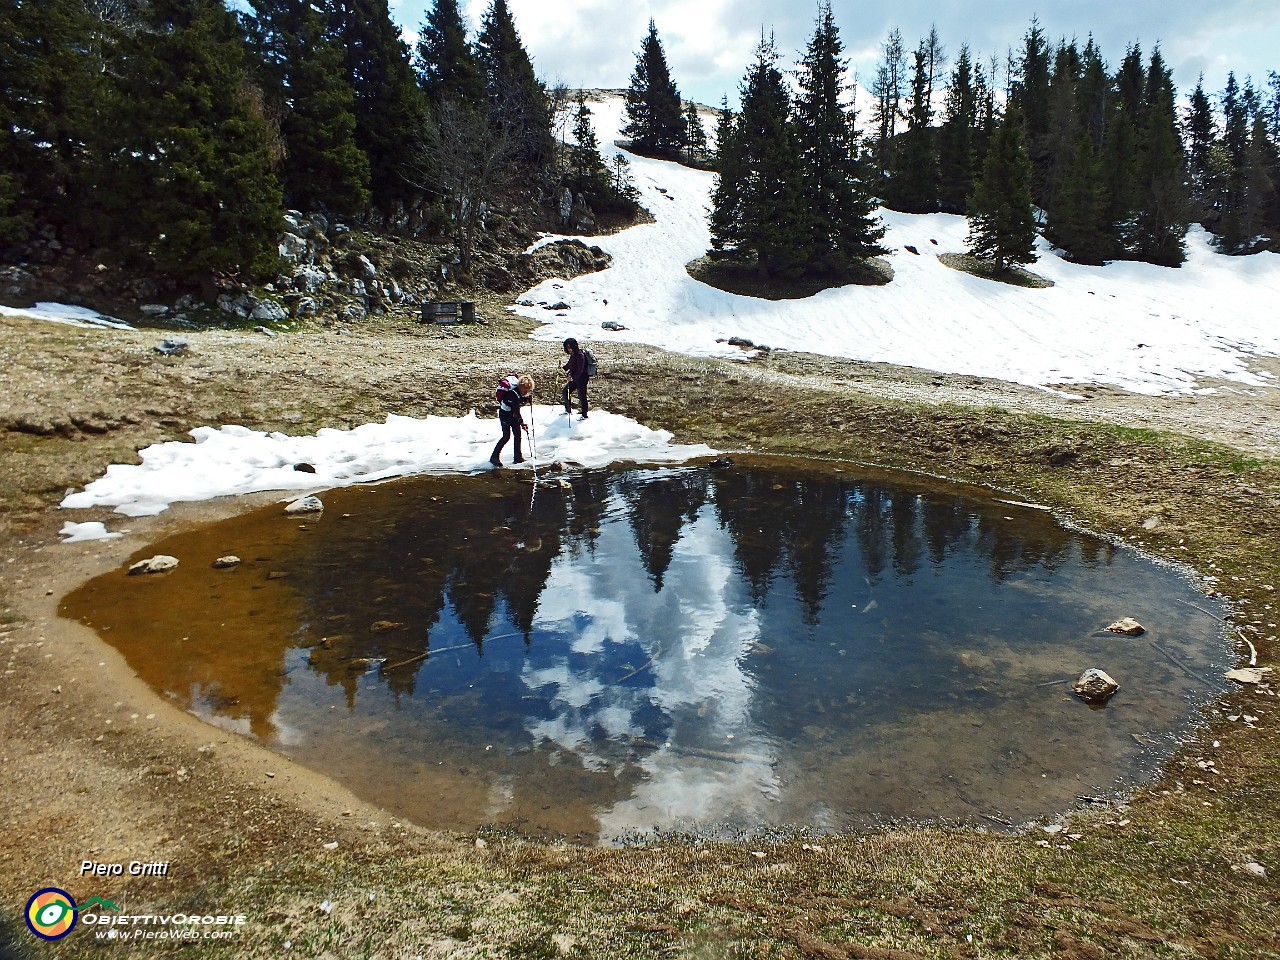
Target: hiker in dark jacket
{"points": [[512, 393], [576, 368]]}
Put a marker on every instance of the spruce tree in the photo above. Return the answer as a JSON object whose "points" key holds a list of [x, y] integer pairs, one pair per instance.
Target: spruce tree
{"points": [[517, 98], [695, 134], [390, 109], [1077, 223], [1252, 212], [655, 117], [1002, 227], [771, 227], [48, 109], [1163, 212], [913, 173], [1063, 131], [323, 167], [731, 174], [189, 180], [840, 207], [887, 90], [1199, 134], [956, 137], [445, 62]]}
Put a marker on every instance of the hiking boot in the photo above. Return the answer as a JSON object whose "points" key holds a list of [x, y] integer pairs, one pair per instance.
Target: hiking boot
{"points": [[518, 460], [495, 461]]}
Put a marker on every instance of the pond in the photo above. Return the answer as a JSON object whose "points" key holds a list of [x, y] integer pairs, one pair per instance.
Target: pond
{"points": [[721, 648]]}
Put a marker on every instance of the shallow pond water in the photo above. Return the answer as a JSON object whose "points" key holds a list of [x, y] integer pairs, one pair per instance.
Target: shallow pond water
{"points": [[731, 649]]}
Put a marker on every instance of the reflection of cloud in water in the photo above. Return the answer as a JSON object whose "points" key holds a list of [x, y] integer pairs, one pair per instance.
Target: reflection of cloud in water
{"points": [[692, 636]]}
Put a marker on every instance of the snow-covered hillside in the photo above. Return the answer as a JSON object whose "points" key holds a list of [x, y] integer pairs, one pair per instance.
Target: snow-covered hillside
{"points": [[1137, 326]]}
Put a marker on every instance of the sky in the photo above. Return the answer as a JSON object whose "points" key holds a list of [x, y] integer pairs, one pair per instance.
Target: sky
{"points": [[708, 43]]}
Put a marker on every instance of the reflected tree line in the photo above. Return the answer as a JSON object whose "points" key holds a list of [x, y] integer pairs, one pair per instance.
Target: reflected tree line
{"points": [[481, 555]]}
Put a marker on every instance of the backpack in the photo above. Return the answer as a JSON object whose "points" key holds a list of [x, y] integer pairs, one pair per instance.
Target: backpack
{"points": [[592, 368], [505, 385]]}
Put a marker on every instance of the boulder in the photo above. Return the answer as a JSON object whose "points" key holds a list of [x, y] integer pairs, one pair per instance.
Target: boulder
{"points": [[1128, 626], [160, 563], [1095, 687], [226, 563], [305, 505]]}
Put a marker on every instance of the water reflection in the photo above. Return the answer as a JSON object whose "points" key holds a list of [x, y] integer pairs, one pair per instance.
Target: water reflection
{"points": [[768, 644]]}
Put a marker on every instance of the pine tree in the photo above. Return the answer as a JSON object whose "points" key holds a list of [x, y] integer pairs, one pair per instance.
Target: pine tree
{"points": [[731, 173], [771, 224], [1063, 131], [1199, 134], [655, 118], [1163, 203], [1078, 222], [913, 179], [1030, 92], [189, 180], [323, 167], [517, 98], [956, 137], [695, 134], [390, 109], [446, 64], [888, 90], [587, 172], [48, 107], [1244, 225], [1002, 226], [840, 207]]}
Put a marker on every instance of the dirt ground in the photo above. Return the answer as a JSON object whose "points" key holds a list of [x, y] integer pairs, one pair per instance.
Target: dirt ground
{"points": [[96, 767]]}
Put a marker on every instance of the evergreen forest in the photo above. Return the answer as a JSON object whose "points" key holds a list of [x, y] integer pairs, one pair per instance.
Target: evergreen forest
{"points": [[169, 137]]}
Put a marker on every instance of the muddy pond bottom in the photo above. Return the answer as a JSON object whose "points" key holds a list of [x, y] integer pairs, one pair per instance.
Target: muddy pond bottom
{"points": [[728, 650]]}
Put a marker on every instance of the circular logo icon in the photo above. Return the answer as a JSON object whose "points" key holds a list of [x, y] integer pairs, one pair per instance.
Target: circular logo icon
{"points": [[51, 913]]}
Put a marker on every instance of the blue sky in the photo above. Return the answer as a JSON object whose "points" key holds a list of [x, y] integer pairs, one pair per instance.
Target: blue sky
{"points": [[592, 43]]}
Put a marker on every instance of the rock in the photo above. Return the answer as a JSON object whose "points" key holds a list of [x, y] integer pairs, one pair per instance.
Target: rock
{"points": [[1251, 869], [1095, 687], [305, 505], [225, 563], [1150, 523], [292, 248], [270, 311], [155, 309], [1128, 626], [172, 347], [1249, 676], [160, 563], [304, 468], [265, 331], [382, 626], [367, 270], [612, 325], [910, 249], [741, 342]]}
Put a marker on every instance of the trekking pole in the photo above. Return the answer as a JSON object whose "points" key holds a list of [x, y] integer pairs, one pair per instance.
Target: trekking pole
{"points": [[533, 456]]}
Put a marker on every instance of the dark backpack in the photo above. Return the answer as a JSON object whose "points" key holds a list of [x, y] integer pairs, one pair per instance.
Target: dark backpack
{"points": [[591, 368]]}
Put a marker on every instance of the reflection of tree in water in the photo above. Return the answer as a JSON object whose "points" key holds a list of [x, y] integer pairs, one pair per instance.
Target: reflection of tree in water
{"points": [[658, 508], [475, 551]]}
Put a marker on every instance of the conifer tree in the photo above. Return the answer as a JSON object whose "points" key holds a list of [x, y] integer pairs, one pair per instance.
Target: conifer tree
{"points": [[446, 64], [189, 180], [517, 98], [1253, 201], [956, 137], [770, 225], [887, 90], [840, 207], [1077, 223], [323, 167], [1030, 92], [913, 181], [695, 134], [1199, 135], [1002, 226], [1163, 204], [391, 111], [731, 172], [587, 172], [48, 105], [1063, 130], [655, 117]]}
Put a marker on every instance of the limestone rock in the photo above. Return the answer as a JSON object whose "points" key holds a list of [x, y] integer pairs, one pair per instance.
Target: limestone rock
{"points": [[225, 563], [160, 563], [305, 505], [1249, 676], [1128, 626], [1095, 686]]}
